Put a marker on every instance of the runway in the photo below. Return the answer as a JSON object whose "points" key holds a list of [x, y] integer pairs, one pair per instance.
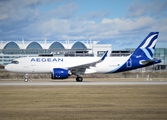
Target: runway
{"points": [[49, 83]]}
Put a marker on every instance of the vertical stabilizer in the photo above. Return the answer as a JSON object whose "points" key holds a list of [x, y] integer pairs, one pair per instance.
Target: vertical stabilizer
{"points": [[146, 48]]}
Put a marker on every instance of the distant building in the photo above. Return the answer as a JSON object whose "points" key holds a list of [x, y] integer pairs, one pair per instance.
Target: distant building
{"points": [[16, 49]]}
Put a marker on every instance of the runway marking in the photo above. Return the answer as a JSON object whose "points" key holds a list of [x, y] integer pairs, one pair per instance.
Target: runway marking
{"points": [[79, 83]]}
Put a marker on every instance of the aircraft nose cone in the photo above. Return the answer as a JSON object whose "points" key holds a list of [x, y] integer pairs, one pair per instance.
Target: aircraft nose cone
{"points": [[7, 67]]}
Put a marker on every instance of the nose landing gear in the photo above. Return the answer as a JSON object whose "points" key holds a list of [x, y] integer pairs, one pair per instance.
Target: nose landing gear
{"points": [[26, 78]]}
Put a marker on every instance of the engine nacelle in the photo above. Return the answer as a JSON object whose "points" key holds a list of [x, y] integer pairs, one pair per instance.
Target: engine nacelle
{"points": [[59, 73]]}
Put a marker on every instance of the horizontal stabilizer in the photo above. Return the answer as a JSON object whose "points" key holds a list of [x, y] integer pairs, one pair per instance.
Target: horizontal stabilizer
{"points": [[144, 62]]}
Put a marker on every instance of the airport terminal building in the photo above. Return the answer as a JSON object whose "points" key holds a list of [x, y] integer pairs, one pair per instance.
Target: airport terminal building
{"points": [[10, 50]]}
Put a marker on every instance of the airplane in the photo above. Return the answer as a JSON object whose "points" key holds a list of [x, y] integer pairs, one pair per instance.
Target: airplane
{"points": [[63, 67]]}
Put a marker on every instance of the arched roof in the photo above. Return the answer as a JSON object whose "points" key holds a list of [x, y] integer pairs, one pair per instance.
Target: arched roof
{"points": [[78, 45], [34, 45], [56, 45], [11, 45]]}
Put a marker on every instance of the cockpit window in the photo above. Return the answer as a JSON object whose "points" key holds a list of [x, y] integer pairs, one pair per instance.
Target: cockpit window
{"points": [[15, 62]]}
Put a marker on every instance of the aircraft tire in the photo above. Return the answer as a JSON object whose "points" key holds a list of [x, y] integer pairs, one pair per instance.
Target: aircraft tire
{"points": [[79, 79], [25, 80]]}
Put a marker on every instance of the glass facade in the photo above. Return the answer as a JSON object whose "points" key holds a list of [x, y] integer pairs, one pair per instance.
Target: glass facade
{"points": [[22, 51], [161, 53], [79, 45], [11, 45], [11, 48], [34, 45], [56, 45]]}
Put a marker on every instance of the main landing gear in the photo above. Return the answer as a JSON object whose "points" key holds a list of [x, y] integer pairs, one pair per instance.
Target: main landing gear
{"points": [[79, 79]]}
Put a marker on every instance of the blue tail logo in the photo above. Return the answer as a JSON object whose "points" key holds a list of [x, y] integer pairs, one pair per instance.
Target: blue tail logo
{"points": [[142, 56], [147, 47]]}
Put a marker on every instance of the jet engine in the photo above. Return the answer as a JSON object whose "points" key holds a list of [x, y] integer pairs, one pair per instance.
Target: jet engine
{"points": [[59, 73]]}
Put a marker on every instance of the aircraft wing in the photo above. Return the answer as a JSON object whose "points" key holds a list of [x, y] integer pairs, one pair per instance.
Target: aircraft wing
{"points": [[82, 68]]}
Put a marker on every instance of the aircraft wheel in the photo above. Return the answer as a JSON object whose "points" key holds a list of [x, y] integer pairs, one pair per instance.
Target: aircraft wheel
{"points": [[26, 80], [79, 79]]}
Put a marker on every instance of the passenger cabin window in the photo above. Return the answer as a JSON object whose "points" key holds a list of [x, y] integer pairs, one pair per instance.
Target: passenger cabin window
{"points": [[15, 62]]}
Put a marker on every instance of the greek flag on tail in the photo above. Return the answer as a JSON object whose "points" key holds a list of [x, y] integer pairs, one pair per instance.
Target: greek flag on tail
{"points": [[146, 48]]}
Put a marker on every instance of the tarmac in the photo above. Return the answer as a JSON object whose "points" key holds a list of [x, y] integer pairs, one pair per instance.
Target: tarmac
{"points": [[58, 83]]}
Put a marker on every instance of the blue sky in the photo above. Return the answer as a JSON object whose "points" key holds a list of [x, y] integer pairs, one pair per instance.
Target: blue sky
{"points": [[122, 23]]}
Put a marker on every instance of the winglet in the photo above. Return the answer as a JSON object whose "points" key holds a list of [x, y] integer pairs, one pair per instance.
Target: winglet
{"points": [[104, 56]]}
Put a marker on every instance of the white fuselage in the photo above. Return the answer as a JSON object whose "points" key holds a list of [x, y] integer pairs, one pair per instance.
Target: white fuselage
{"points": [[46, 64]]}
